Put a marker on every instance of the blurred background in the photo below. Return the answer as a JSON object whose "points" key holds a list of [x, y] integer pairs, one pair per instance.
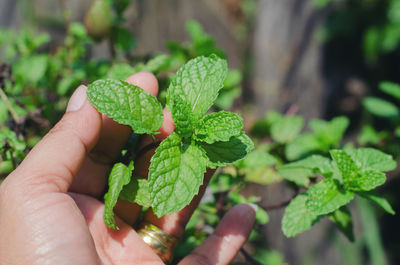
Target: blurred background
{"points": [[314, 58]]}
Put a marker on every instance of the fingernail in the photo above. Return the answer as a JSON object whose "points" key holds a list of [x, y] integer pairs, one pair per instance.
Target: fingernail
{"points": [[77, 99]]}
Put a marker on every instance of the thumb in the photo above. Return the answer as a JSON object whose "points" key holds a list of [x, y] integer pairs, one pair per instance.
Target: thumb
{"points": [[55, 160]]}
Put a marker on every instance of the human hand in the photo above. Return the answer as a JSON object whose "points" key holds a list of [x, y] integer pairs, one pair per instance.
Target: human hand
{"points": [[49, 207]]}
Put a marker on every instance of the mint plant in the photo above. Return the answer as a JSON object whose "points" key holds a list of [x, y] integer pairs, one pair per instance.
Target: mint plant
{"points": [[348, 173], [37, 78], [199, 141]]}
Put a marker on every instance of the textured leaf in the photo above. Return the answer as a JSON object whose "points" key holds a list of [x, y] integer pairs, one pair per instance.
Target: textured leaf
{"points": [[224, 153], [374, 197], [198, 83], [218, 126], [389, 88], [120, 176], [286, 129], [381, 108], [175, 175], [370, 158], [183, 118], [365, 180], [126, 104], [326, 197], [360, 177], [298, 218], [345, 163], [342, 218], [300, 171], [136, 191]]}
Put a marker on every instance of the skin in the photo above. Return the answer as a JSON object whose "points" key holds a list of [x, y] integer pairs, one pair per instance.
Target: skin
{"points": [[50, 211]]}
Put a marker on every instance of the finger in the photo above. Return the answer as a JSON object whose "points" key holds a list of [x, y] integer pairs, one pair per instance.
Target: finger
{"points": [[129, 212], [91, 179], [114, 246], [223, 245], [174, 224], [55, 160]]}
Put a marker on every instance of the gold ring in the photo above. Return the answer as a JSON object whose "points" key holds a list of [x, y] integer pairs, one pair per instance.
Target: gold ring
{"points": [[163, 244]]}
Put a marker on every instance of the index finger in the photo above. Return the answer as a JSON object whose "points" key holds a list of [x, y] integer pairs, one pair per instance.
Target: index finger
{"points": [[91, 178]]}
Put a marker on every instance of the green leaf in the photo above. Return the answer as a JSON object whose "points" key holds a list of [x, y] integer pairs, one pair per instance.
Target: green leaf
{"points": [[30, 69], [302, 146], [374, 197], [120, 71], [300, 171], [157, 64], [326, 196], [198, 83], [262, 217], [363, 175], [345, 163], [260, 129], [218, 126], [365, 181], [202, 43], [136, 191], [261, 175], [286, 129], [330, 132], [224, 153], [390, 88], [298, 218], [124, 40], [10, 137], [370, 158], [233, 78], [342, 218], [369, 135], [120, 176], [381, 108], [227, 97], [397, 131], [257, 158], [175, 175], [126, 104], [183, 118]]}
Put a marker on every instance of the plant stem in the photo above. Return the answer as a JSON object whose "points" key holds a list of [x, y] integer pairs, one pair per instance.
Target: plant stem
{"points": [[111, 47], [13, 113], [249, 258], [147, 148], [14, 164]]}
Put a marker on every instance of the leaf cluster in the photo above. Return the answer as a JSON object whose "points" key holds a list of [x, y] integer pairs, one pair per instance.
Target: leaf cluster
{"points": [[199, 141], [348, 173]]}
